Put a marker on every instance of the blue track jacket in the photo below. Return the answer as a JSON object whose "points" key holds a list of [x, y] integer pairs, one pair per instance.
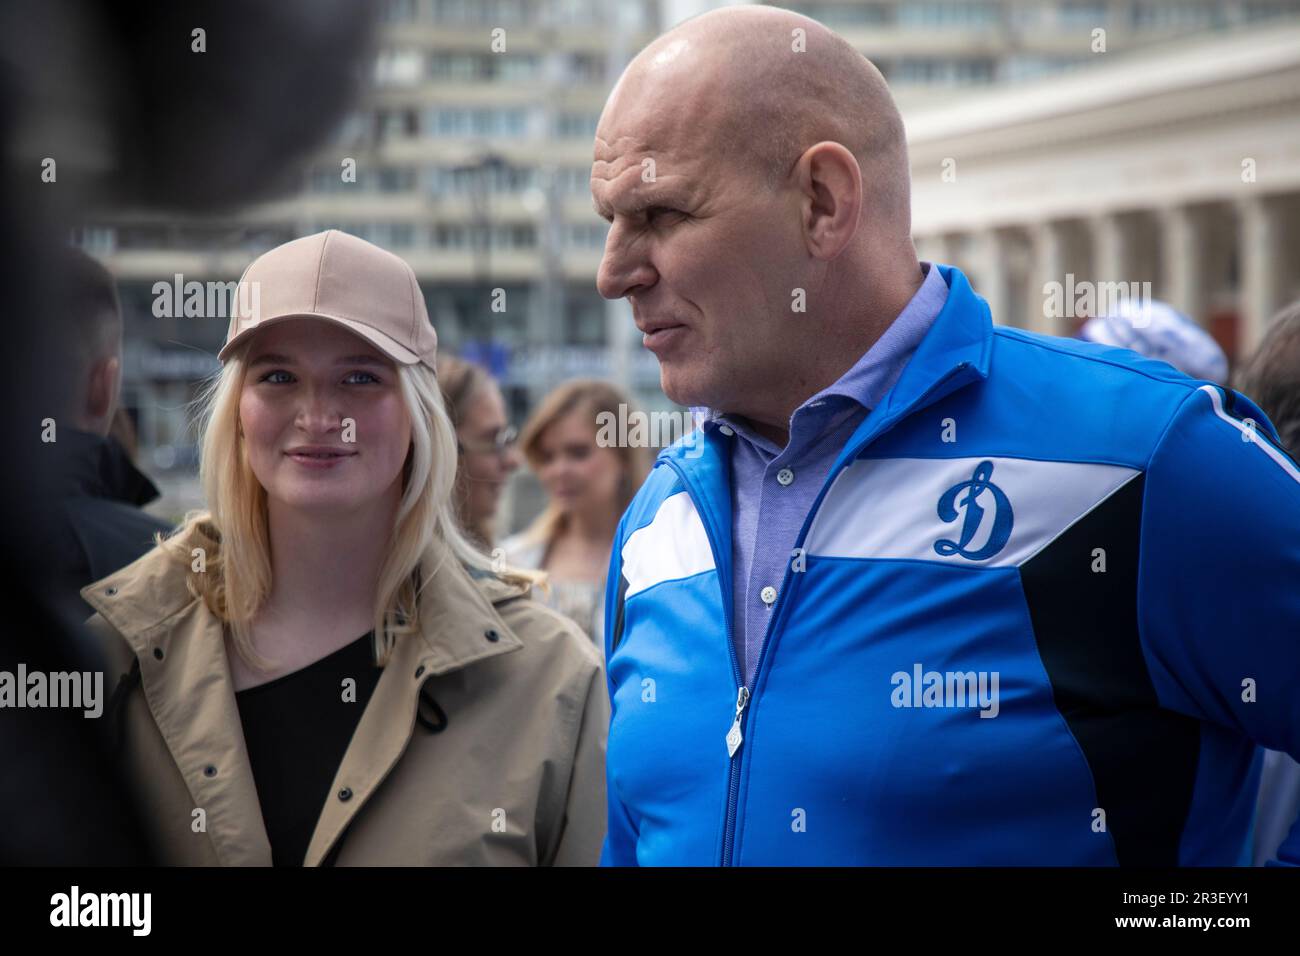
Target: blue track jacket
{"points": [[1044, 608]]}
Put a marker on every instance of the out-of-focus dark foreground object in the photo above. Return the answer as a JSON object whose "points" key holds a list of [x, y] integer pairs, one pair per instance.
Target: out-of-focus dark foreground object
{"points": [[133, 117]]}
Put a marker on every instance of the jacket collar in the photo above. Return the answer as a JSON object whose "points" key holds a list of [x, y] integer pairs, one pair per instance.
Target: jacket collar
{"points": [[457, 607], [459, 625], [960, 338], [955, 352], [186, 681]]}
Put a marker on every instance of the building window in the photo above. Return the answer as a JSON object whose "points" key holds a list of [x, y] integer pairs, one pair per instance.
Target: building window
{"points": [[1172, 14], [395, 179], [586, 67], [587, 235], [846, 15], [949, 16], [397, 68], [480, 122], [502, 13], [459, 67], [576, 125], [585, 323], [450, 236], [396, 124], [575, 12], [1083, 13], [399, 11]]}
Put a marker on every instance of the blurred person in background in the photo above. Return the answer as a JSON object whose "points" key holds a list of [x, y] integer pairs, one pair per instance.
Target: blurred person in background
{"points": [[1159, 331], [1272, 379], [101, 527], [588, 487], [330, 557], [485, 440]]}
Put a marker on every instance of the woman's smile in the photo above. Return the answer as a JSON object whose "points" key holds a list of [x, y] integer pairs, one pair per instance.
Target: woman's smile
{"points": [[319, 457]]}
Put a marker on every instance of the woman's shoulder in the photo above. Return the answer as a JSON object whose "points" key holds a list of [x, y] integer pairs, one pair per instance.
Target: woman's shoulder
{"points": [[156, 584], [536, 625]]}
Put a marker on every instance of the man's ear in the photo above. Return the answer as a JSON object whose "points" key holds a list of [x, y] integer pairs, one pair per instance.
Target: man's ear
{"points": [[101, 390], [831, 183]]}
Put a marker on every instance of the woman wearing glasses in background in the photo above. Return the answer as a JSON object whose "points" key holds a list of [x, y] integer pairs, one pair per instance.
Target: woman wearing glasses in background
{"points": [[485, 441]]}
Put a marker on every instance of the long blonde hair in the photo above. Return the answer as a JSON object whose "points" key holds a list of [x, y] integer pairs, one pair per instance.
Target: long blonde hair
{"points": [[236, 580]]}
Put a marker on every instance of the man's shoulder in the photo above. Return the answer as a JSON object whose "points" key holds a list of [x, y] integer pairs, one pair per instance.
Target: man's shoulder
{"points": [[1086, 398], [1086, 364]]}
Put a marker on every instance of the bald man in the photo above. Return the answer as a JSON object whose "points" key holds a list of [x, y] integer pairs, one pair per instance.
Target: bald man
{"points": [[926, 591]]}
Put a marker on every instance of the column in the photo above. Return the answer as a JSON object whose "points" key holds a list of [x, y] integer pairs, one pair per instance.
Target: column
{"points": [[1112, 247], [1259, 237], [1182, 238], [993, 280], [1047, 265]]}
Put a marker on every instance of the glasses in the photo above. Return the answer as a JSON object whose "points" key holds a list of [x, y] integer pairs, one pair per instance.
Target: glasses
{"points": [[499, 444]]}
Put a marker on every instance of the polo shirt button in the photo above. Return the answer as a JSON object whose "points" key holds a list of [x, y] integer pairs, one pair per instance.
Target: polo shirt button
{"points": [[768, 594], [726, 430], [785, 476]]}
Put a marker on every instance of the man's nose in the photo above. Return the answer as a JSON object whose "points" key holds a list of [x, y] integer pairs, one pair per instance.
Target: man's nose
{"points": [[623, 267]]}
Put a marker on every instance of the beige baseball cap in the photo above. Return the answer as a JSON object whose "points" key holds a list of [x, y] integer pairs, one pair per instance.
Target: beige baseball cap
{"points": [[341, 279]]}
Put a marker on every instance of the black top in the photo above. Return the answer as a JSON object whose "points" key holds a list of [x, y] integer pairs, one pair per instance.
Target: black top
{"points": [[297, 729]]}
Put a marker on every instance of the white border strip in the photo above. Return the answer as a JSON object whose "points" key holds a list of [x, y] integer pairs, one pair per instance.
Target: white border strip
{"points": [[1282, 460]]}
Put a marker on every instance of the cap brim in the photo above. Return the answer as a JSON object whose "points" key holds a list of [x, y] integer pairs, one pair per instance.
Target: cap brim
{"points": [[385, 344]]}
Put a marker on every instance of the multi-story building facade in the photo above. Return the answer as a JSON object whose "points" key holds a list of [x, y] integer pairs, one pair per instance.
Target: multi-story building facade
{"points": [[469, 155], [931, 51], [1179, 168]]}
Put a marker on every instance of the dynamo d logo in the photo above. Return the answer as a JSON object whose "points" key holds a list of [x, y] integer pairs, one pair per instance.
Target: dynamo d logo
{"points": [[995, 512]]}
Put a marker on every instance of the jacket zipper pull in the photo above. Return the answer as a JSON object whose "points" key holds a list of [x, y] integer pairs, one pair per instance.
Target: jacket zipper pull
{"points": [[734, 737]]}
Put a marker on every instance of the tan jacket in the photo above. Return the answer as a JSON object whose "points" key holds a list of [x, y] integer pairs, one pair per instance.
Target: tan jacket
{"points": [[516, 776]]}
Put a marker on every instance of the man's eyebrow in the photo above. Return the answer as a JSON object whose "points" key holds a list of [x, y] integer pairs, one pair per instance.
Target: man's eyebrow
{"points": [[641, 203]]}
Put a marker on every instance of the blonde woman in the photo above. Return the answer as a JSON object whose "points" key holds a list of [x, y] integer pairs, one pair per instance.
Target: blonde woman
{"points": [[588, 487], [320, 669]]}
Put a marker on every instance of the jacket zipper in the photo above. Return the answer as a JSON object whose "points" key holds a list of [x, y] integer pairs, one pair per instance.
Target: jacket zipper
{"points": [[735, 734]]}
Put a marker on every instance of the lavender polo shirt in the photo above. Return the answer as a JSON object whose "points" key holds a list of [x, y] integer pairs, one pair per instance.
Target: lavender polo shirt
{"points": [[774, 488]]}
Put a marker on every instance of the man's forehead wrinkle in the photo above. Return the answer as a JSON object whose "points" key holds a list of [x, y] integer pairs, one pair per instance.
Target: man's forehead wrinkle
{"points": [[621, 146], [648, 133], [632, 194], [610, 171]]}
